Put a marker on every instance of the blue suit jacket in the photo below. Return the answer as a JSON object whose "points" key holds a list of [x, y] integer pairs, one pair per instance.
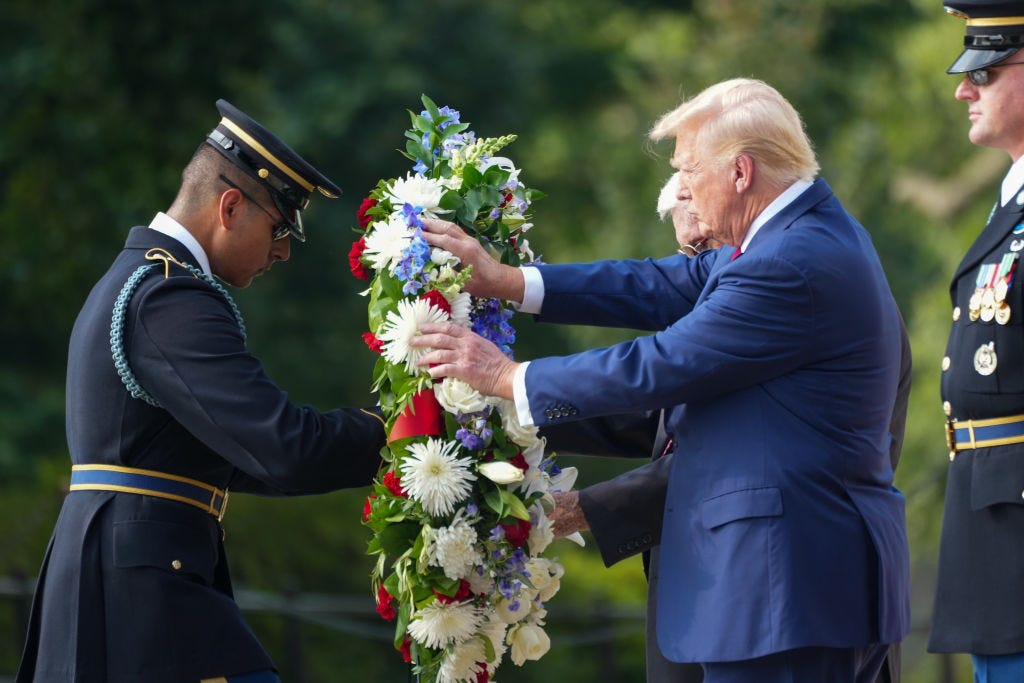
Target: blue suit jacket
{"points": [[782, 528]]}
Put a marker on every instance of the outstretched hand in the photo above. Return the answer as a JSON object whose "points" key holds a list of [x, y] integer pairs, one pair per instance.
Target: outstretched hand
{"points": [[461, 353], [567, 517], [490, 277]]}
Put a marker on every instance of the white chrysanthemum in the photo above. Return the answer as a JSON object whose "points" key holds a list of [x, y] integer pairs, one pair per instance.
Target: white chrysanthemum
{"points": [[419, 191], [457, 396], [461, 304], [404, 324], [432, 475], [439, 625], [385, 242], [462, 662], [495, 629], [453, 548], [523, 436]]}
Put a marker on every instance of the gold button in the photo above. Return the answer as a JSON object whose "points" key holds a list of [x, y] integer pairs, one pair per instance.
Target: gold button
{"points": [[176, 565], [947, 408], [956, 314], [945, 363]]}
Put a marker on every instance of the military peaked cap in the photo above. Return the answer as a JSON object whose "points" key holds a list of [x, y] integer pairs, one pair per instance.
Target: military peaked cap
{"points": [[995, 30], [289, 178]]}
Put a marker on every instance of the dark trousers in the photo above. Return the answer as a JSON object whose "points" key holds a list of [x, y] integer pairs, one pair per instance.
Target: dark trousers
{"points": [[803, 665]]}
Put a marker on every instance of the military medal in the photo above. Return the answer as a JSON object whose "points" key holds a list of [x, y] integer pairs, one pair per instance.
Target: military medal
{"points": [[1003, 313], [985, 360]]}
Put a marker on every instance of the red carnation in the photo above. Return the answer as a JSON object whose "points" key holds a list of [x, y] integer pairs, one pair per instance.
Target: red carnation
{"points": [[361, 216], [355, 265], [376, 345], [436, 298], [394, 484], [385, 604], [405, 648], [483, 675], [519, 460], [368, 507], [517, 533], [459, 596]]}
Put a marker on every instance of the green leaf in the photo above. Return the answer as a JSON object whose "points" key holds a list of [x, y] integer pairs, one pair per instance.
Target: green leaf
{"points": [[494, 502], [516, 508], [395, 539]]}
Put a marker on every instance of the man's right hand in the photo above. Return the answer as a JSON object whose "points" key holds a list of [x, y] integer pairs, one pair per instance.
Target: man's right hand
{"points": [[490, 277]]}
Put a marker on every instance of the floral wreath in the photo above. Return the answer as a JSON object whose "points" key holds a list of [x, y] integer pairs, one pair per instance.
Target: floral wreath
{"points": [[459, 513]]}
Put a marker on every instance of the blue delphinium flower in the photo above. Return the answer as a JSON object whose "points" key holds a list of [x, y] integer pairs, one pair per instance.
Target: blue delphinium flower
{"points": [[411, 268], [490, 319]]}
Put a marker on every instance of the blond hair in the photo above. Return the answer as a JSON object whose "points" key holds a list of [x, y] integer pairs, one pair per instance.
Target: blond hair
{"points": [[744, 117]]}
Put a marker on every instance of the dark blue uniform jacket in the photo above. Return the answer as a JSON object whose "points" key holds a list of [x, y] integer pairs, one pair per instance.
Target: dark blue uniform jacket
{"points": [[135, 589]]}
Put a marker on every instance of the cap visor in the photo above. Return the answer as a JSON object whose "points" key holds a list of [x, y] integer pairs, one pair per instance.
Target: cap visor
{"points": [[978, 59]]}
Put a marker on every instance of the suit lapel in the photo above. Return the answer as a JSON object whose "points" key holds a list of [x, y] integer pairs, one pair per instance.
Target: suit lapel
{"points": [[996, 230]]}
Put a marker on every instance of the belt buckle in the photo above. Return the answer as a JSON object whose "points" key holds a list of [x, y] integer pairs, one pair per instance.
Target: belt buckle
{"points": [[951, 439]]}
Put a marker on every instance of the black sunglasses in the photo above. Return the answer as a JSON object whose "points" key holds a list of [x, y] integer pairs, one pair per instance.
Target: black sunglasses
{"points": [[282, 228], [981, 76]]}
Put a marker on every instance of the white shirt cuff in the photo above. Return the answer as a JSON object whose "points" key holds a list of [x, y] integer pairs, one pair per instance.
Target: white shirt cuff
{"points": [[533, 290], [519, 394]]}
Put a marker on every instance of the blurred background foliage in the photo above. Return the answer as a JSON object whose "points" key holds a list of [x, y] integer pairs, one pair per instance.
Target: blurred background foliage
{"points": [[105, 101]]}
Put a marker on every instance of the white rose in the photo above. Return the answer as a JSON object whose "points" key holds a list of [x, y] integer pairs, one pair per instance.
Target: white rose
{"points": [[511, 611], [456, 396], [528, 641], [524, 436], [500, 472], [546, 577]]}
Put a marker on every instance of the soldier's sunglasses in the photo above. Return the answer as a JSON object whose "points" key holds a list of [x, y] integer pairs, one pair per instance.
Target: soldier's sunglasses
{"points": [[982, 76], [281, 228]]}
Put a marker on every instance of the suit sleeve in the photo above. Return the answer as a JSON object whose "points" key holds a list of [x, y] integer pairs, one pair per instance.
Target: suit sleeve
{"points": [[759, 323], [625, 513], [189, 353], [626, 436]]}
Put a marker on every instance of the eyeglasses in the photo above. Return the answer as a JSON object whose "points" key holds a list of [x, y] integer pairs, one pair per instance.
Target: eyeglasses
{"points": [[281, 228], [693, 249], [982, 77]]}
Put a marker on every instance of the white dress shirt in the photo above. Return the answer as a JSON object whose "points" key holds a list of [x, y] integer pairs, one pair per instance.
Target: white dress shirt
{"points": [[163, 223]]}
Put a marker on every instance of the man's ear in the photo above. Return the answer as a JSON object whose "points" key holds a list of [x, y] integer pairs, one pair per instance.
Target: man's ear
{"points": [[743, 172], [230, 207]]}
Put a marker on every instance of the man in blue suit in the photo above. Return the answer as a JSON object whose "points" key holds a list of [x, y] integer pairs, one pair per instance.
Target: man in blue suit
{"points": [[783, 551]]}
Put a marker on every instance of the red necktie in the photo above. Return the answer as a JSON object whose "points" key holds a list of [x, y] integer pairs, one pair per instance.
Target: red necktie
{"points": [[736, 254]]}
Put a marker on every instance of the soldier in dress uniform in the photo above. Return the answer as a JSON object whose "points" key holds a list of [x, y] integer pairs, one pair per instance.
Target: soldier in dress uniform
{"points": [[979, 600], [166, 412]]}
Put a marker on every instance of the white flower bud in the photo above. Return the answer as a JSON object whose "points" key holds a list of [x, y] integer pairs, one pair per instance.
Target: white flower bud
{"points": [[500, 472]]}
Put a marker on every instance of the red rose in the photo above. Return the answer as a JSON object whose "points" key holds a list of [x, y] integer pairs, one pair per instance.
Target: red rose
{"points": [[436, 298], [394, 484], [404, 648], [376, 345], [368, 507], [517, 533], [459, 596], [355, 265], [519, 460], [385, 604], [361, 216]]}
